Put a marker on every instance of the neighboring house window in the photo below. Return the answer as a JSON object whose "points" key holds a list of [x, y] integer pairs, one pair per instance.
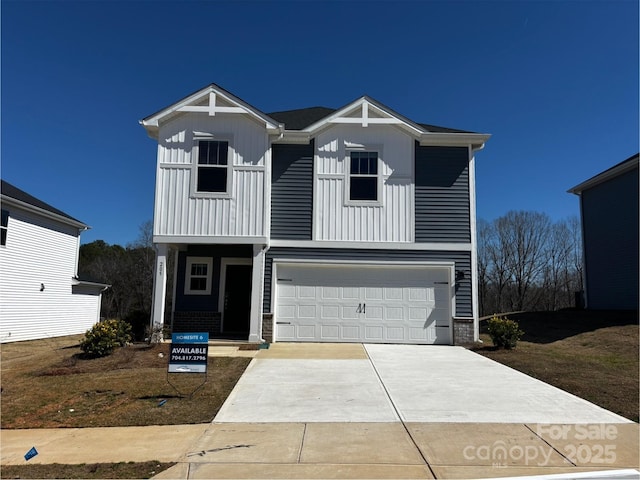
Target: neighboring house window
{"points": [[3, 227], [213, 166], [363, 176], [198, 276]]}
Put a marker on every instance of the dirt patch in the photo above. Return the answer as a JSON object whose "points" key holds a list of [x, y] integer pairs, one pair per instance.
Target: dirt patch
{"points": [[51, 384]]}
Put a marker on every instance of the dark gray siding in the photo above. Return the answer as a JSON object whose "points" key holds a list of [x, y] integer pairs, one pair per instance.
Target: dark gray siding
{"points": [[205, 303], [610, 225], [442, 194], [292, 192], [462, 262]]}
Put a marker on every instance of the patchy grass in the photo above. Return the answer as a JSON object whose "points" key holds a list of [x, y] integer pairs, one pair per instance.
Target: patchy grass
{"points": [[97, 470], [48, 383], [593, 355]]}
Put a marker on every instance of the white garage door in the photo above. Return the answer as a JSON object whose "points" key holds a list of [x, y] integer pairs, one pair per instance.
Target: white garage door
{"points": [[373, 304]]}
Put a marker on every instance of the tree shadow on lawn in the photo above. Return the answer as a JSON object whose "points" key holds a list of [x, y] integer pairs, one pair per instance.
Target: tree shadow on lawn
{"points": [[548, 327]]}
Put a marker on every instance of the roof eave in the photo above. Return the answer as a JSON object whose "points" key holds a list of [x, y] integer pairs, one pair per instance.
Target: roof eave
{"points": [[45, 213], [624, 167], [442, 139]]}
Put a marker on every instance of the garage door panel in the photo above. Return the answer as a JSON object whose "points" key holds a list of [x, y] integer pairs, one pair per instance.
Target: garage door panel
{"points": [[418, 314], [330, 312], [307, 311], [374, 333], [374, 313], [306, 332], [373, 293], [350, 312], [330, 293], [329, 332], [362, 303], [351, 293], [395, 314], [306, 292]]}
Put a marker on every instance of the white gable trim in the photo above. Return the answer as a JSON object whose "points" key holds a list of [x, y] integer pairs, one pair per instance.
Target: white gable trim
{"points": [[210, 94], [366, 107]]}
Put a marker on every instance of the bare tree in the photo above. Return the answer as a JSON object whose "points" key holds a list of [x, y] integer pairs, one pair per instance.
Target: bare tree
{"points": [[526, 262]]}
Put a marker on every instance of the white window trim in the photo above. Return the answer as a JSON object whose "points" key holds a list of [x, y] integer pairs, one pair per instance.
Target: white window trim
{"points": [[351, 147], [224, 137], [187, 276]]}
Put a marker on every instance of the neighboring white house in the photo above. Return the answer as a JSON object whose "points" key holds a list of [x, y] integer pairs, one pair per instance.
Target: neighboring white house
{"points": [[41, 295], [354, 224]]}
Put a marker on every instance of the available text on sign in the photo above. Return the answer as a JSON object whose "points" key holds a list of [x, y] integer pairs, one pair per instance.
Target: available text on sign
{"points": [[188, 353]]}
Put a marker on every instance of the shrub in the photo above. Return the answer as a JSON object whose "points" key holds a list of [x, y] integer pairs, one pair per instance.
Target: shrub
{"points": [[139, 321], [504, 333], [102, 339]]}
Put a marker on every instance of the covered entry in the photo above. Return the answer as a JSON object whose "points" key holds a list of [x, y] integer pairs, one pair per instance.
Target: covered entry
{"points": [[371, 303]]}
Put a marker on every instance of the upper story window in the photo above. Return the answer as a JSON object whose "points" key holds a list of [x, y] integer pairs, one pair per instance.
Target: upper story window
{"points": [[198, 276], [213, 166], [3, 227], [363, 176]]}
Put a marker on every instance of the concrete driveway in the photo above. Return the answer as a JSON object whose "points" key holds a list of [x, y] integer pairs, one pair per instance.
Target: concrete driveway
{"points": [[390, 383], [398, 411]]}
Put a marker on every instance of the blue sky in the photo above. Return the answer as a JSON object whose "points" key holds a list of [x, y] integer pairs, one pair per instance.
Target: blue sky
{"points": [[555, 83]]}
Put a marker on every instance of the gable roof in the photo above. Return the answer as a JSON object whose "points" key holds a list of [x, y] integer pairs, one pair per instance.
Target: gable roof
{"points": [[205, 100], [13, 195], [300, 125], [622, 167]]}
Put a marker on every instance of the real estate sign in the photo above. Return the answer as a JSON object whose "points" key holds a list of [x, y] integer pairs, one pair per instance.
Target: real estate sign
{"points": [[188, 352]]}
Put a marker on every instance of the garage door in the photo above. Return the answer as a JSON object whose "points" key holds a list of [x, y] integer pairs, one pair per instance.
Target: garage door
{"points": [[373, 304]]}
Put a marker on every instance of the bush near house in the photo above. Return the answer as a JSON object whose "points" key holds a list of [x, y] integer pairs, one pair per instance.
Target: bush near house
{"points": [[504, 333], [103, 338]]}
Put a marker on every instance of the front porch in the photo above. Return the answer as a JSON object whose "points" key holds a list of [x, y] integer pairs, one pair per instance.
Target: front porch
{"points": [[217, 288]]}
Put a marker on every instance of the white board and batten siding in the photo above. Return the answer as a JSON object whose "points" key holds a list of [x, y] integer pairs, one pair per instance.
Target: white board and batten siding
{"points": [[364, 303], [41, 251], [392, 220], [242, 213]]}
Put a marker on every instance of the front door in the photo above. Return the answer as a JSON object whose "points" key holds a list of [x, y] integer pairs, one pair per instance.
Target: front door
{"points": [[237, 300]]}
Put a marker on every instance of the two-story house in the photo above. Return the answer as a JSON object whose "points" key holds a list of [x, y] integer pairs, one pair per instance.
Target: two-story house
{"points": [[318, 225], [41, 295]]}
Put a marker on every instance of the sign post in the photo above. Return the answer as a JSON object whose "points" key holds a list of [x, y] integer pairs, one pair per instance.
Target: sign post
{"points": [[188, 353]]}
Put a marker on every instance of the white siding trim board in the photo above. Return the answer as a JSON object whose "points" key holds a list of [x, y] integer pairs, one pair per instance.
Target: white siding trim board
{"points": [[457, 247]]}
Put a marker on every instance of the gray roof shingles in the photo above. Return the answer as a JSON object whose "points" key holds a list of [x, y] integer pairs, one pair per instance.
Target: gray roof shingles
{"points": [[22, 196], [300, 119]]}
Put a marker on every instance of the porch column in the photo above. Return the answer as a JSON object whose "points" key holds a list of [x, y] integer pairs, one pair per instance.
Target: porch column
{"points": [[257, 287], [159, 291]]}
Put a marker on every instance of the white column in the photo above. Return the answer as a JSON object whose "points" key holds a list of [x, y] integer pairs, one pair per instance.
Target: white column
{"points": [[257, 287], [474, 246], [159, 289]]}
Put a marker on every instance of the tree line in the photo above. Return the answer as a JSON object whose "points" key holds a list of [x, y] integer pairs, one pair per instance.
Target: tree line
{"points": [[525, 262], [129, 270]]}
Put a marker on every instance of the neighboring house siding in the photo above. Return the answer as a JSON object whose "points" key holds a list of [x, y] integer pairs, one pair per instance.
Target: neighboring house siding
{"points": [[610, 229], [442, 211], [392, 220], [242, 213], [39, 252], [292, 192], [462, 262]]}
